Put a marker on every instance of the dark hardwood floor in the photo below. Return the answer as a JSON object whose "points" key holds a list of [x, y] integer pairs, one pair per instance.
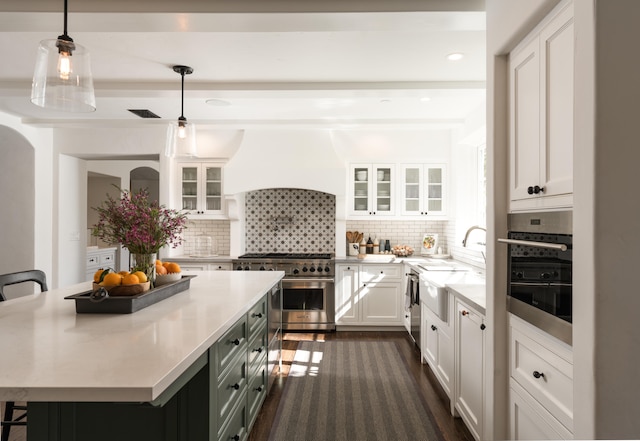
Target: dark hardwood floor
{"points": [[453, 429]]}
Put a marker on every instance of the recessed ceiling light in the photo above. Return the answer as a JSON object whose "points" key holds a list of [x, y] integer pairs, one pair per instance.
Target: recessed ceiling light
{"points": [[456, 56], [217, 102]]}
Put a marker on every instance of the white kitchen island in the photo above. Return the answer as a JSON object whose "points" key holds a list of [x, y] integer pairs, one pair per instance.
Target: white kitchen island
{"points": [[102, 370]]}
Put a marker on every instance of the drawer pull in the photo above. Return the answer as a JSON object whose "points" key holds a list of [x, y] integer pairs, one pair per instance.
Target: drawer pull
{"points": [[236, 386], [433, 327], [258, 350], [537, 374], [259, 315], [259, 389], [236, 342], [464, 313]]}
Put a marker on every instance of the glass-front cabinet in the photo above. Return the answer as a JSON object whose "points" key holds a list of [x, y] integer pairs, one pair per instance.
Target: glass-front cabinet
{"points": [[371, 189], [199, 188], [423, 189]]}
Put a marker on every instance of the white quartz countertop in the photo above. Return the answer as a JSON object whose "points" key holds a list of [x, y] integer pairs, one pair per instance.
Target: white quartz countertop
{"points": [[50, 353], [474, 294]]}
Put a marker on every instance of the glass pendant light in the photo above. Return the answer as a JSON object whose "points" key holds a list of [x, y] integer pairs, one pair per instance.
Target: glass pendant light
{"points": [[181, 136], [62, 77]]}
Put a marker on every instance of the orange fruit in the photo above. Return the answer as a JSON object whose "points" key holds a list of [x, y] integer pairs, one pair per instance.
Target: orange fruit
{"points": [[166, 264], [158, 262], [130, 279], [161, 270], [96, 276], [123, 273], [173, 268], [112, 279], [141, 276]]}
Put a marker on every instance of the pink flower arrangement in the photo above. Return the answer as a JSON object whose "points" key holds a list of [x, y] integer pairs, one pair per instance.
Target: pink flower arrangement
{"points": [[140, 225]]}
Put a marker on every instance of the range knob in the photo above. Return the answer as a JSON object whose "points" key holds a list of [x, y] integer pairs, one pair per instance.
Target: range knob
{"points": [[327, 269], [312, 269], [296, 271], [304, 269], [239, 267], [247, 268], [262, 268], [319, 269]]}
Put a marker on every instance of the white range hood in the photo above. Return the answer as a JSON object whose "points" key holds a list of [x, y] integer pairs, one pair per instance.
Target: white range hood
{"points": [[291, 158]]}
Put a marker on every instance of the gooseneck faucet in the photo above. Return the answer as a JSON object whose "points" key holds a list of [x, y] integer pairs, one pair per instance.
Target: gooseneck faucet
{"points": [[466, 236]]}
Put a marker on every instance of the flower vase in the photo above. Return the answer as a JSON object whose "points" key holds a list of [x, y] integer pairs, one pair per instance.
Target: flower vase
{"points": [[145, 263]]}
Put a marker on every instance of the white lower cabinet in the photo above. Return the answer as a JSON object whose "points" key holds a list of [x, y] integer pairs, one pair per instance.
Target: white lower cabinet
{"points": [[199, 265], [541, 380], [369, 295], [469, 366], [100, 258], [437, 348]]}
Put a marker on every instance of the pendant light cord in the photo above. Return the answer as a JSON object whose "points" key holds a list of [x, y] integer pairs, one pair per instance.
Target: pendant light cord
{"points": [[65, 18], [182, 101]]}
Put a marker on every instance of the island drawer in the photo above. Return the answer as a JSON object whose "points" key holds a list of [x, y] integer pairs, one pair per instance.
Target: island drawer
{"points": [[257, 317], [232, 343], [236, 428], [258, 345], [231, 388], [257, 391]]}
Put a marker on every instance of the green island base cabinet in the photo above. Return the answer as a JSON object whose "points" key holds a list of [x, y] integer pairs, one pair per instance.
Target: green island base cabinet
{"points": [[217, 398]]}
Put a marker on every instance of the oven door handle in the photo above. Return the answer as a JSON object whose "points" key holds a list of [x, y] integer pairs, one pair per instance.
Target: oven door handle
{"points": [[308, 280], [553, 246]]}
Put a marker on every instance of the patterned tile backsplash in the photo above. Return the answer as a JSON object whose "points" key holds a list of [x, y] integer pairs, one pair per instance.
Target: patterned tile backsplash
{"points": [[289, 220]]}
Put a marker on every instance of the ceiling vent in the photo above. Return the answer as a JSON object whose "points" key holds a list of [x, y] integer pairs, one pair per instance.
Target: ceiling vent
{"points": [[143, 113]]}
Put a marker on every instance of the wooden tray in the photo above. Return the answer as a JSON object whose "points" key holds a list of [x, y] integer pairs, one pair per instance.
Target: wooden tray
{"points": [[96, 302]]}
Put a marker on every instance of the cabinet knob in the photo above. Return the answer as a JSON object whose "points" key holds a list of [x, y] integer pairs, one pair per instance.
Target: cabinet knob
{"points": [[236, 342], [433, 327], [483, 327], [536, 189], [258, 350], [259, 389], [464, 313], [235, 437], [381, 272], [259, 315], [236, 386], [537, 374]]}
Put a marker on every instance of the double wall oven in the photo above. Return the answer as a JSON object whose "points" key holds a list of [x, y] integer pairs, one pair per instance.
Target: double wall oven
{"points": [[308, 287], [539, 288]]}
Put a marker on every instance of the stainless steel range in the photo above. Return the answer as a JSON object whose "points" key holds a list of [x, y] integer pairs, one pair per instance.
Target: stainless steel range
{"points": [[308, 287]]}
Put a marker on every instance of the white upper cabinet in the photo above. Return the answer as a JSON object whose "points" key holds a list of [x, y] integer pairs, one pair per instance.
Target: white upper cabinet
{"points": [[423, 190], [371, 189], [198, 189], [541, 115]]}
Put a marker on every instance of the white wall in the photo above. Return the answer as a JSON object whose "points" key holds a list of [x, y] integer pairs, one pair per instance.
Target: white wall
{"points": [[610, 240], [17, 185], [72, 221], [40, 140]]}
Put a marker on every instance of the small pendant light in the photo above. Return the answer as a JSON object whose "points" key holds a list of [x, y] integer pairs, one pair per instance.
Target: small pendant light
{"points": [[62, 77], [181, 136]]}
